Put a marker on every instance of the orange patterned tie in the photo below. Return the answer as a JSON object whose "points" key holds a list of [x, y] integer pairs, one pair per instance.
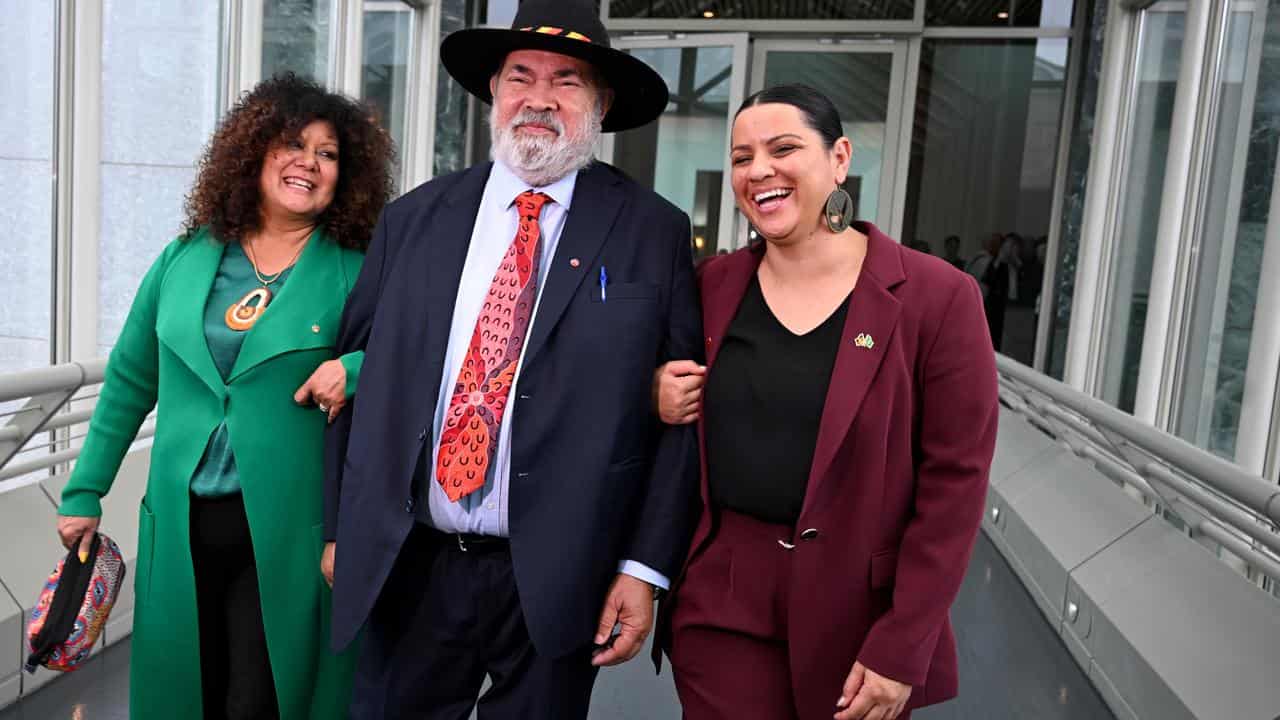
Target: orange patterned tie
{"points": [[470, 433]]}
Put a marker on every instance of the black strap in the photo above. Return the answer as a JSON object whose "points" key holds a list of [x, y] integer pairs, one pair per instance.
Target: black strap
{"points": [[68, 597]]}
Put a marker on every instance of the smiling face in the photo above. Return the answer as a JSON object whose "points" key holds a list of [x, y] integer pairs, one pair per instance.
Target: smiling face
{"points": [[783, 171], [300, 175], [547, 110]]}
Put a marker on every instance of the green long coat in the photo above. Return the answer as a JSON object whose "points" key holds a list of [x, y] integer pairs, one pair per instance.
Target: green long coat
{"points": [[162, 360]]}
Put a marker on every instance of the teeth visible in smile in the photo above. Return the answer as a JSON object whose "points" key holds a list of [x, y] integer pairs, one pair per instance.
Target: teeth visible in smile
{"points": [[768, 194], [298, 183]]}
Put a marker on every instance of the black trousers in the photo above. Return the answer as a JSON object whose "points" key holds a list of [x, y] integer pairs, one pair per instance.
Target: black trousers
{"points": [[445, 620], [235, 671]]}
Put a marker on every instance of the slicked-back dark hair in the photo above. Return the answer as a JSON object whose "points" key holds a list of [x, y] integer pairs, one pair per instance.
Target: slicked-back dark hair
{"points": [[819, 112]]}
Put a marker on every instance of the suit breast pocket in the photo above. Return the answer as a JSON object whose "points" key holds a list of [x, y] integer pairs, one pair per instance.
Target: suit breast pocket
{"points": [[624, 292]]}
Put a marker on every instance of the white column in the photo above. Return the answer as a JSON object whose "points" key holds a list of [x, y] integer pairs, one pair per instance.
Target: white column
{"points": [[78, 198], [1179, 210], [1084, 336]]}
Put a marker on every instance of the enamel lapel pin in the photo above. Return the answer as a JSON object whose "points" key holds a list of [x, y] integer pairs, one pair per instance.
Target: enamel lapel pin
{"points": [[864, 341]]}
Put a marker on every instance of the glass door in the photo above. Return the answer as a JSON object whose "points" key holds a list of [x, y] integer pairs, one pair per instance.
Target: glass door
{"points": [[684, 156], [865, 80]]}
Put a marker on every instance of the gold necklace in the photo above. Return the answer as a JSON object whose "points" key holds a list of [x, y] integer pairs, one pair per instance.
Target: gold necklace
{"points": [[244, 313]]}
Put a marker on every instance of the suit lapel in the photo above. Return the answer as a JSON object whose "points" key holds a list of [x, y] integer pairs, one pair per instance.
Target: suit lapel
{"points": [[303, 314], [596, 202], [180, 319], [873, 314], [722, 288], [442, 252], [721, 300]]}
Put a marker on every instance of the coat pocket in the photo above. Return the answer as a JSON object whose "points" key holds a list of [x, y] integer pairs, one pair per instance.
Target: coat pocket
{"points": [[146, 552], [884, 567], [623, 291]]}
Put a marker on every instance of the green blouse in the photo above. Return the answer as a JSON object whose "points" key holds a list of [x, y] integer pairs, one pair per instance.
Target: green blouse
{"points": [[216, 475]]}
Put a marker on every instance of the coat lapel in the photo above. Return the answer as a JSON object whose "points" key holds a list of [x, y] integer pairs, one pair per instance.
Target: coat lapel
{"points": [[304, 314], [443, 253], [596, 202], [873, 315], [180, 320], [722, 294]]}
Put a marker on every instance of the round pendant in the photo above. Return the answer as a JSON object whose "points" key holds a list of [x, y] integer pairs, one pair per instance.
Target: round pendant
{"points": [[243, 315]]}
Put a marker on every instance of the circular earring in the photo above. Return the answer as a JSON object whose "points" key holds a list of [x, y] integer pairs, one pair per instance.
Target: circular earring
{"points": [[839, 211]]}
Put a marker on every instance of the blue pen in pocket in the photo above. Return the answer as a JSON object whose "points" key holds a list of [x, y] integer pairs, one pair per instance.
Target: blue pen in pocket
{"points": [[604, 280]]}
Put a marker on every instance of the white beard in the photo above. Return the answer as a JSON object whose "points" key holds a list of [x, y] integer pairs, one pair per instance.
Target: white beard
{"points": [[541, 160]]}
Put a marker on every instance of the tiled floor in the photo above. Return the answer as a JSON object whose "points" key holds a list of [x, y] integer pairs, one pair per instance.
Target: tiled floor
{"points": [[1013, 667]]}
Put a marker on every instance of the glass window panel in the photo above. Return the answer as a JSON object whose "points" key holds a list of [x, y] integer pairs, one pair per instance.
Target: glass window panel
{"points": [[764, 9], [295, 38], [27, 89], [982, 168], [159, 106], [999, 13], [387, 34], [1159, 57], [1074, 194], [451, 100], [1232, 236], [682, 156], [858, 83]]}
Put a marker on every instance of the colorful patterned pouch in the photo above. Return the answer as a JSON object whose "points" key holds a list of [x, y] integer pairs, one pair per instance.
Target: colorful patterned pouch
{"points": [[73, 607]]}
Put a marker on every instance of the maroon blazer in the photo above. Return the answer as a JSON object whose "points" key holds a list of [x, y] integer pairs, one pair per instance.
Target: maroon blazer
{"points": [[899, 476]]}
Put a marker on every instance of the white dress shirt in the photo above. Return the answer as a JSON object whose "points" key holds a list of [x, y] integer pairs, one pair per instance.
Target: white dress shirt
{"points": [[485, 511]]}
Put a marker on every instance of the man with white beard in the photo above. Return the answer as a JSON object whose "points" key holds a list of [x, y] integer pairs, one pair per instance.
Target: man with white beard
{"points": [[501, 501]]}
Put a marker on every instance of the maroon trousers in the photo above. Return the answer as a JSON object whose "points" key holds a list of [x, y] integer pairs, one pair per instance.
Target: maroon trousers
{"points": [[729, 627]]}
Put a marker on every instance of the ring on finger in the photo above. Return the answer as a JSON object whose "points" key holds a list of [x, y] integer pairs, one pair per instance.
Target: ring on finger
{"points": [[323, 408]]}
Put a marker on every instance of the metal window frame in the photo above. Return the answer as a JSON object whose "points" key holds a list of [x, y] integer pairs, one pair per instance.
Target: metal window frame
{"points": [[346, 46], [1175, 390], [1107, 179], [893, 171], [1076, 60], [418, 154], [719, 25], [726, 233], [1104, 178], [1182, 205], [1258, 438]]}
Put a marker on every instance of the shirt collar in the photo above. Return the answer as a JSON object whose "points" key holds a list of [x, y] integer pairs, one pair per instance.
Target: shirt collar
{"points": [[504, 184]]}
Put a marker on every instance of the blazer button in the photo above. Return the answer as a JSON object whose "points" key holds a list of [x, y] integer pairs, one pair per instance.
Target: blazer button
{"points": [[422, 435], [708, 342], [408, 505], [809, 534]]}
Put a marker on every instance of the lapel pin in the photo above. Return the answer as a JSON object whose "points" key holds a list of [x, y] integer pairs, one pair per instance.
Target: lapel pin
{"points": [[315, 328], [864, 341], [574, 262]]}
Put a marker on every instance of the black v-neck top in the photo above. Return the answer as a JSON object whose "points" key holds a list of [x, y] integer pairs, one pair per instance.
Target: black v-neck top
{"points": [[763, 403]]}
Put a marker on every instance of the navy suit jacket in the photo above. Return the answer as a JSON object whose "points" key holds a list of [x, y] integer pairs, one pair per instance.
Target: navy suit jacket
{"points": [[595, 478]]}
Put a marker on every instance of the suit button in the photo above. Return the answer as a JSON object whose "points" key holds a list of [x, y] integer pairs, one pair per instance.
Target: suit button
{"points": [[422, 435], [809, 534], [408, 505], [524, 396], [708, 342]]}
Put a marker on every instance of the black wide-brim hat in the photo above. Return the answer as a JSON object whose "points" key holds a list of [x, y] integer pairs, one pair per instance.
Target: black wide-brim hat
{"points": [[567, 27]]}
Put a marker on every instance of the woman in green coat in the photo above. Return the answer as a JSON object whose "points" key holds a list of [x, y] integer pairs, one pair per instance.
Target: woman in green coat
{"points": [[230, 338]]}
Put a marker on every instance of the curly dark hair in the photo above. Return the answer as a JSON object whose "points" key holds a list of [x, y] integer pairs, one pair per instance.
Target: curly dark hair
{"points": [[226, 193]]}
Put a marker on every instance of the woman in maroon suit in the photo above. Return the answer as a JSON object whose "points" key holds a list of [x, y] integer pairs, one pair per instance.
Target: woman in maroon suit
{"points": [[847, 429]]}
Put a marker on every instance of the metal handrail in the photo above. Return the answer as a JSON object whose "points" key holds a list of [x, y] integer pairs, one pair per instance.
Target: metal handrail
{"points": [[45, 394], [1227, 478], [55, 378], [1216, 498]]}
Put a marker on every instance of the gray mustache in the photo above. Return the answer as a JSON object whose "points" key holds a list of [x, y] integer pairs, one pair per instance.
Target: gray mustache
{"points": [[537, 118]]}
